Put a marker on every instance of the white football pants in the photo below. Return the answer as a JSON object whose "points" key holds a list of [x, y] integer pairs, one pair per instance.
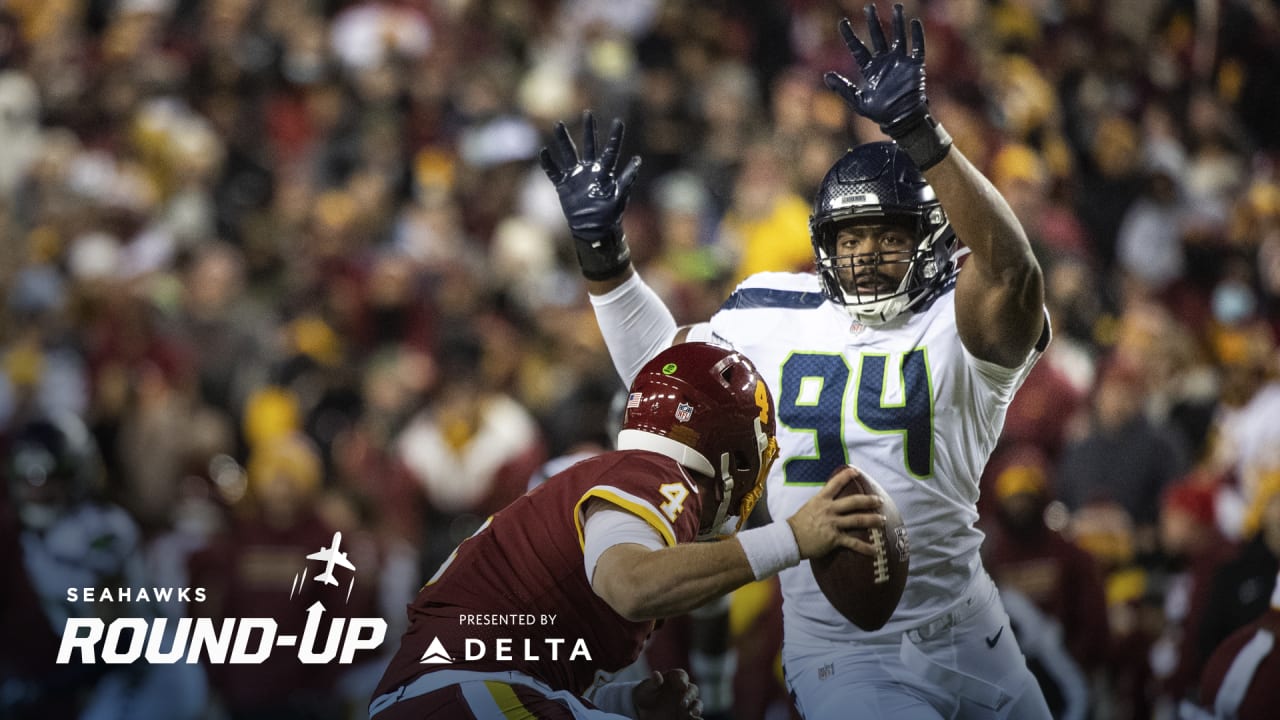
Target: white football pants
{"points": [[963, 665]]}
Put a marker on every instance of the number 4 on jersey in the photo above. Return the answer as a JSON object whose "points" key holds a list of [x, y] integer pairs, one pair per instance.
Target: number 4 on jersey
{"points": [[812, 396], [675, 493]]}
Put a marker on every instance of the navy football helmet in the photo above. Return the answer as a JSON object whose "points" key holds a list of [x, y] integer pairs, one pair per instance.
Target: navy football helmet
{"points": [[51, 464], [878, 180]]}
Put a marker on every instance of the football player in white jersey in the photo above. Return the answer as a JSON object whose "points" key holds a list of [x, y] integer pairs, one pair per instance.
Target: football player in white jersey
{"points": [[895, 356]]}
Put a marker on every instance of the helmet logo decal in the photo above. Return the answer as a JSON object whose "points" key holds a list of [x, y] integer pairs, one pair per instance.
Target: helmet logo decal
{"points": [[633, 400], [669, 369], [684, 411], [762, 400]]}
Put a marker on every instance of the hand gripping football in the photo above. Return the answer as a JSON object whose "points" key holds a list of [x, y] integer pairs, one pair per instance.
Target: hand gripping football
{"points": [[865, 589]]}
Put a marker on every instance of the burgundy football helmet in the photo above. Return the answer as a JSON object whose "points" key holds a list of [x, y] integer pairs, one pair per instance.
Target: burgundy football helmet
{"points": [[708, 409]]}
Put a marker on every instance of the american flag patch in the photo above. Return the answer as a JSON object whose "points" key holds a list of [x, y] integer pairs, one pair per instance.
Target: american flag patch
{"points": [[633, 400]]}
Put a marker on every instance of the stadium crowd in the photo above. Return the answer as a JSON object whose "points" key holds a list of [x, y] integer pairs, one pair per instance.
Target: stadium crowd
{"points": [[294, 268]]}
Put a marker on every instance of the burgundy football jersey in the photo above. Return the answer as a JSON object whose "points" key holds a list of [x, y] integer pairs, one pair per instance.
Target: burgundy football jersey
{"points": [[1255, 689], [515, 596]]}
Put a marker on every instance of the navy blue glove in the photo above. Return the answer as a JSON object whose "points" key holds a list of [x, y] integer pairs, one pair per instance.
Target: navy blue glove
{"points": [[892, 93], [593, 196]]}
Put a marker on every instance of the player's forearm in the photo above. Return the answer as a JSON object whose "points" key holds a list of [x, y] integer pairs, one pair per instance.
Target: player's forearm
{"points": [[981, 217], [1000, 292], [645, 584]]}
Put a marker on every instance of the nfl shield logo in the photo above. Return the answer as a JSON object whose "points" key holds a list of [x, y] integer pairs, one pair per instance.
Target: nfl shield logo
{"points": [[684, 411]]}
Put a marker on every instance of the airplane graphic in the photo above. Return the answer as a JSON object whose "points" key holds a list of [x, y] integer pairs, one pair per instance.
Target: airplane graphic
{"points": [[331, 556]]}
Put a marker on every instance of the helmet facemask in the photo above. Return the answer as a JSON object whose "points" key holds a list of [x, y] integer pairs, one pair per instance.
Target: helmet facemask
{"points": [[926, 267], [749, 473]]}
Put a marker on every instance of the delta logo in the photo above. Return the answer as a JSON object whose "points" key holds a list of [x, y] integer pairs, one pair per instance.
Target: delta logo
{"points": [[231, 640], [504, 650]]}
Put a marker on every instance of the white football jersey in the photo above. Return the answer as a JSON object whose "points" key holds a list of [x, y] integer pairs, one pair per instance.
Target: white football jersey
{"points": [[903, 401]]}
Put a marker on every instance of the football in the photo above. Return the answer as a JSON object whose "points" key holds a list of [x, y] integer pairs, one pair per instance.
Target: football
{"points": [[864, 589]]}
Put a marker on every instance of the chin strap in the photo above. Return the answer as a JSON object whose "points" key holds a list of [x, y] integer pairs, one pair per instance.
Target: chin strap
{"points": [[722, 512]]}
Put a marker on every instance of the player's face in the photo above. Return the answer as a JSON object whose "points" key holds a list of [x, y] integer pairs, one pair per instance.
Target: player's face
{"points": [[875, 254]]}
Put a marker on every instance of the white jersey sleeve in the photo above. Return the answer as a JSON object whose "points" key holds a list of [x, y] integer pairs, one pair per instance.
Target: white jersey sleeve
{"points": [[702, 332], [635, 323]]}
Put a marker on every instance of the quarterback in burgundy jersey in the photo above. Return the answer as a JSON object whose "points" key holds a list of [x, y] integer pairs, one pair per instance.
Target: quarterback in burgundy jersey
{"points": [[529, 568], [563, 586]]}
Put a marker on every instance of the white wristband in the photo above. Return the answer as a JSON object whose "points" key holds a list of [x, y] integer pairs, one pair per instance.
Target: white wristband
{"points": [[770, 548]]}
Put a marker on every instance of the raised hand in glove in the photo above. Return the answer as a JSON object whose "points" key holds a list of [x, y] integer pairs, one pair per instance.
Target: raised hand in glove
{"points": [[592, 196], [892, 92]]}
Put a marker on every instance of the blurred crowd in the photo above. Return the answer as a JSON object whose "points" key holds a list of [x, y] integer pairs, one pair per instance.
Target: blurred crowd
{"points": [[287, 267]]}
